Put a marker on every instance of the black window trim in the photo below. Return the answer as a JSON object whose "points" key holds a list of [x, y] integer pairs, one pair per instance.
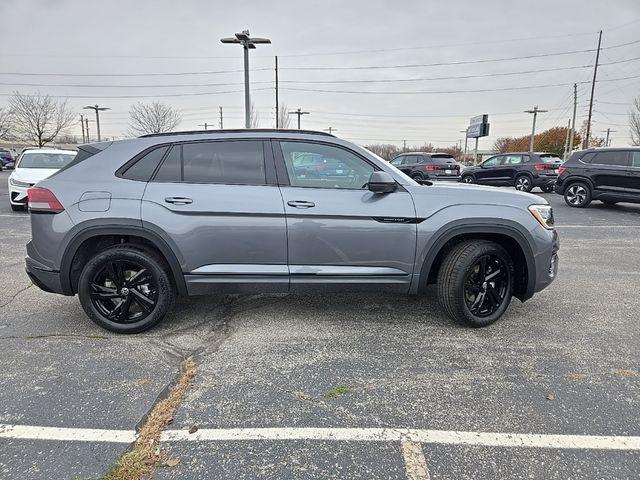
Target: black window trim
{"points": [[283, 174]]}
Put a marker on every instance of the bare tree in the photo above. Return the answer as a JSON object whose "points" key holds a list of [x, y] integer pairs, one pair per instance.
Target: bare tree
{"points": [[38, 118], [153, 117], [634, 122], [284, 119], [4, 123], [254, 118]]}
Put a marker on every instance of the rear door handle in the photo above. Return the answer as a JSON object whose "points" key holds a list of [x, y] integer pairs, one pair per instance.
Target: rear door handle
{"points": [[300, 204], [178, 200]]}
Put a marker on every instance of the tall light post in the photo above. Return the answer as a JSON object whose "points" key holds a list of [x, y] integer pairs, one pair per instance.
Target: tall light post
{"points": [[247, 43], [97, 109], [299, 113]]}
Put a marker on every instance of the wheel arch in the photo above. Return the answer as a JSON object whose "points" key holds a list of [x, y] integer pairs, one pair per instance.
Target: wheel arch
{"points": [[508, 236], [567, 182], [96, 238]]}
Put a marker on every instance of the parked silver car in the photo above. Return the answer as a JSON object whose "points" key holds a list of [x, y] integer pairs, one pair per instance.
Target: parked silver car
{"points": [[128, 225]]}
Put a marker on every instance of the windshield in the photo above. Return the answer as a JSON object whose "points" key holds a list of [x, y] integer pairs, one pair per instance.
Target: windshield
{"points": [[550, 158], [45, 160]]}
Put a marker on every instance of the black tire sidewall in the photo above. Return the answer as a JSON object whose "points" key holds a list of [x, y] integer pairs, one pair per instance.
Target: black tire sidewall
{"points": [[148, 261], [464, 177], [529, 188]]}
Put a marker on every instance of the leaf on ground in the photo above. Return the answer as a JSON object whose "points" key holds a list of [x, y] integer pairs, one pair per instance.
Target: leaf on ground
{"points": [[551, 396], [171, 462], [626, 372]]}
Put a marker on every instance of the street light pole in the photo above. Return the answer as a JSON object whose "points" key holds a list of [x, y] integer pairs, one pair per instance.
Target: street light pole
{"points": [[465, 141], [247, 43], [97, 110], [535, 112]]}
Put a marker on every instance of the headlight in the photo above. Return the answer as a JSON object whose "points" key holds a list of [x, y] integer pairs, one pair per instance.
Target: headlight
{"points": [[543, 214], [17, 183]]}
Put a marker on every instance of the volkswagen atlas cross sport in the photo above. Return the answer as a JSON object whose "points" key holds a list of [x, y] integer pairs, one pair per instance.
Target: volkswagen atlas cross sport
{"points": [[128, 225]]}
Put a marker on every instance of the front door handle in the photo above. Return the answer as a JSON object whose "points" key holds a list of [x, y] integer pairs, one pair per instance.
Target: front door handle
{"points": [[178, 200], [300, 204]]}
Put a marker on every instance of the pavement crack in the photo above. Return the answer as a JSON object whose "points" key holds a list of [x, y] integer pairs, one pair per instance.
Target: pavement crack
{"points": [[15, 295]]}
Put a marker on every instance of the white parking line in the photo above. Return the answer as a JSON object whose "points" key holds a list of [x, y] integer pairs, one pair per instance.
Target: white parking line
{"points": [[414, 462], [489, 439], [29, 432]]}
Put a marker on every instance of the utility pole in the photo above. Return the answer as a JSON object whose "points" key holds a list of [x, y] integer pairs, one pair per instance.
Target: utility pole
{"points": [[535, 112], [247, 43], [593, 87], [465, 141], [277, 105], [82, 126], [221, 127], [330, 130], [205, 125], [475, 152], [299, 113], [566, 142], [608, 131], [86, 123], [97, 110], [573, 122], [404, 145]]}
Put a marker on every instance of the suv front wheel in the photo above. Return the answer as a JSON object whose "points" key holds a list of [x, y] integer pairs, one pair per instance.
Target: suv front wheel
{"points": [[475, 282], [577, 195], [125, 289]]}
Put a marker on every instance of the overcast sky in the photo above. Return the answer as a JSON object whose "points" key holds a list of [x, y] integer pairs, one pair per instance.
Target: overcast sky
{"points": [[80, 37]]}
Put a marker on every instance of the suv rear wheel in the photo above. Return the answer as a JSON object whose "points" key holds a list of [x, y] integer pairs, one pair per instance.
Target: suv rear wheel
{"points": [[523, 183], [577, 195], [125, 289]]}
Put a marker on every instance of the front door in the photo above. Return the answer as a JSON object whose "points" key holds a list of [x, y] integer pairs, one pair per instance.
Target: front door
{"points": [[489, 172], [215, 202], [340, 234]]}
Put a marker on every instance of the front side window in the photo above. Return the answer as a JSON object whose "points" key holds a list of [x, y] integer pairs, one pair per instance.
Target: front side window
{"points": [[45, 160], [232, 162], [611, 158], [493, 162], [396, 161], [332, 167]]}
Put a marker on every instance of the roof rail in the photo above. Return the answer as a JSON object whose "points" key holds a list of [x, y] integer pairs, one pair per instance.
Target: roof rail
{"points": [[238, 130]]}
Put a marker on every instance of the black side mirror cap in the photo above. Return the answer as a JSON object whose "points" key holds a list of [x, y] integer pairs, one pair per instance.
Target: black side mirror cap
{"points": [[381, 182]]}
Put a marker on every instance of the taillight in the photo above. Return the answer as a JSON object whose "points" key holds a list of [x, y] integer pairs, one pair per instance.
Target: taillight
{"points": [[538, 167], [42, 200], [561, 170], [430, 168]]}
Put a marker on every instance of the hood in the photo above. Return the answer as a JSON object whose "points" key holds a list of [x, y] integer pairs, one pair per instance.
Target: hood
{"points": [[440, 195], [32, 175]]}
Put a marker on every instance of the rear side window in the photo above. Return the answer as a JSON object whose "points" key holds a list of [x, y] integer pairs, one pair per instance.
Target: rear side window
{"points": [[611, 158], [143, 169], [237, 162], [635, 162], [587, 157]]}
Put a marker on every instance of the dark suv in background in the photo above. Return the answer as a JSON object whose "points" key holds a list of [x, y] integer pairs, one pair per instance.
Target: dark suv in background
{"points": [[610, 175], [522, 170], [428, 166]]}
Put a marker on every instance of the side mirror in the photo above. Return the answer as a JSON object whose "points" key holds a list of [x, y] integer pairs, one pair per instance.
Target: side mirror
{"points": [[382, 182], [481, 165]]}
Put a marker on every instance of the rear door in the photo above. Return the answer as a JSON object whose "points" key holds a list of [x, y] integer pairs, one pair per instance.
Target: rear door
{"points": [[342, 236], [220, 207], [633, 176], [608, 170], [511, 165]]}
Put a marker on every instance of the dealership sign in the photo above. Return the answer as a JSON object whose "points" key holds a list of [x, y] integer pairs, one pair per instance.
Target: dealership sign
{"points": [[478, 126]]}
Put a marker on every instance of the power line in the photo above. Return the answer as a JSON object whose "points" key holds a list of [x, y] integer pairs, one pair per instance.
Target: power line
{"points": [[155, 74], [141, 96]]}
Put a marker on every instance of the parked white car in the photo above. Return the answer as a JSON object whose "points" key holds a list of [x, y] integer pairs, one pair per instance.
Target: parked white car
{"points": [[34, 165]]}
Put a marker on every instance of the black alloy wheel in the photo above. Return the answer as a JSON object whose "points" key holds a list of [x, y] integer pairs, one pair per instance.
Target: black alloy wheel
{"points": [[126, 288], [486, 285]]}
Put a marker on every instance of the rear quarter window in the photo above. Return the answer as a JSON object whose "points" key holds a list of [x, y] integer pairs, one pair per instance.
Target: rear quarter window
{"points": [[142, 170]]}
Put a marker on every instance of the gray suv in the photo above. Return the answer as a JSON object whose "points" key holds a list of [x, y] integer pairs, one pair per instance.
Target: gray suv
{"points": [[128, 225]]}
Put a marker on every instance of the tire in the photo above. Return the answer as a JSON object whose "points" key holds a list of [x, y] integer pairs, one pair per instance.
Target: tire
{"points": [[116, 303], [18, 208], [417, 177], [577, 195], [547, 189], [458, 281], [523, 183], [467, 179]]}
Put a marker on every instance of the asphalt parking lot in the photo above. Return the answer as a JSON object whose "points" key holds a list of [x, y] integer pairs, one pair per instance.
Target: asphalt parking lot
{"points": [[340, 386]]}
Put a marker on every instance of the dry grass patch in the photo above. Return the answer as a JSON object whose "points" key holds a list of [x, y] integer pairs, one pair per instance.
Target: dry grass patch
{"points": [[137, 464]]}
